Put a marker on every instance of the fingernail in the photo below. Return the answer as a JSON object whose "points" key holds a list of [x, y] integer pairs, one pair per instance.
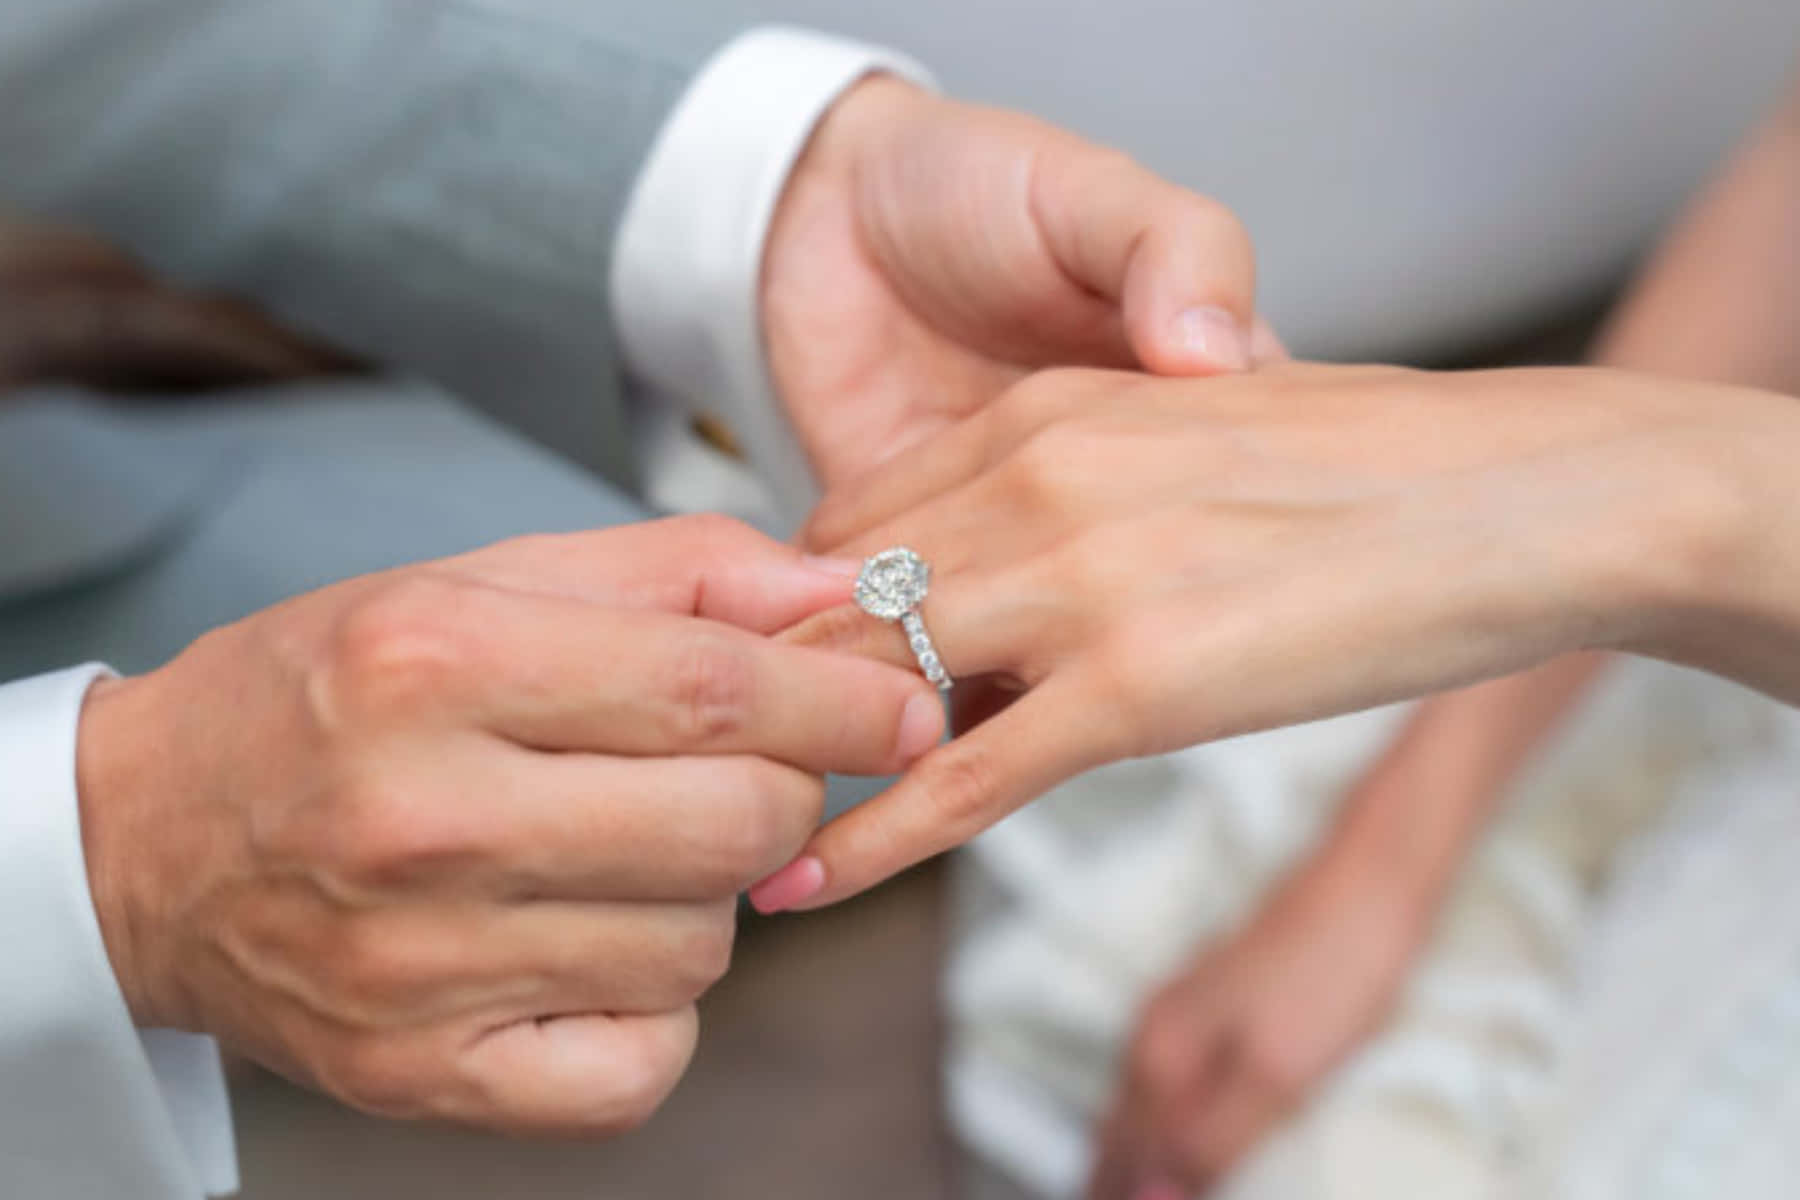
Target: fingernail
{"points": [[795, 883], [1214, 335], [921, 727], [842, 568]]}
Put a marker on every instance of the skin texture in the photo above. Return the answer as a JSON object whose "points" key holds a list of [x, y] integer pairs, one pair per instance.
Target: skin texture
{"points": [[471, 845], [927, 254], [1159, 563], [1717, 302]]}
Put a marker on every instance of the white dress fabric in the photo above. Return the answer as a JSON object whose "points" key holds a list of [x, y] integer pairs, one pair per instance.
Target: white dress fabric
{"points": [[1560, 983]]}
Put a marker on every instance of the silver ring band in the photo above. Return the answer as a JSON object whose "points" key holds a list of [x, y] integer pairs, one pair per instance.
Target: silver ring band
{"points": [[891, 587], [925, 652]]}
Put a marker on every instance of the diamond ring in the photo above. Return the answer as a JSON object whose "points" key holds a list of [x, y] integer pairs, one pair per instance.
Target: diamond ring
{"points": [[891, 587]]}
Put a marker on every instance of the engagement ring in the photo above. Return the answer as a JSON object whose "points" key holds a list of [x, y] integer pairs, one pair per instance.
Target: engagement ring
{"points": [[891, 587]]}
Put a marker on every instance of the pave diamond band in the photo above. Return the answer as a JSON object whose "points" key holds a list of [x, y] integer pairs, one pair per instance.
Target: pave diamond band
{"points": [[891, 587], [925, 652]]}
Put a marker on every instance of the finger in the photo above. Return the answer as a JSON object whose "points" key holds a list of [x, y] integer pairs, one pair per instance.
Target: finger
{"points": [[1234, 1119], [1266, 346], [1171, 1068], [594, 827], [1116, 1174], [575, 1076], [706, 566], [434, 960], [1180, 266], [617, 958], [998, 622], [563, 675], [955, 792]]}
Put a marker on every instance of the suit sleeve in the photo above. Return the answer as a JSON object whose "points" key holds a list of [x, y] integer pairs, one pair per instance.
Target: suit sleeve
{"points": [[433, 184]]}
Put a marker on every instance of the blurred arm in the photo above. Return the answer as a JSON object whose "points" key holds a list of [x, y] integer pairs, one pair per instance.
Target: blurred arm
{"points": [[1720, 300]]}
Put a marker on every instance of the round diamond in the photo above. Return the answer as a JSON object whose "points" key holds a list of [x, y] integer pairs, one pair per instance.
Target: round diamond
{"points": [[892, 584]]}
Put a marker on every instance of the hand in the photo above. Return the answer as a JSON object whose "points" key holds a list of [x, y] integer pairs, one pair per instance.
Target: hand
{"points": [[1242, 1036], [926, 254], [462, 840], [1160, 563]]}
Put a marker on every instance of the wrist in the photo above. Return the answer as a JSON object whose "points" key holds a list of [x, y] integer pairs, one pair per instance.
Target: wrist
{"points": [[1407, 824], [1709, 566], [112, 775], [1391, 903]]}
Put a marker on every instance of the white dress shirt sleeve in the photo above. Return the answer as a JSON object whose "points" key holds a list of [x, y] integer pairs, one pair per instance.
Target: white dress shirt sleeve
{"points": [[689, 254], [89, 1105]]}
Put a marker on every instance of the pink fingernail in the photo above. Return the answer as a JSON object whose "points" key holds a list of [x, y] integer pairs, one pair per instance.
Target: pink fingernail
{"points": [[841, 568], [795, 883], [921, 727], [1214, 335]]}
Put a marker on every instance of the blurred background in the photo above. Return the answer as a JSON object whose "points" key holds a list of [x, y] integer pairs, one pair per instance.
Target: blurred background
{"points": [[1443, 181], [1422, 177]]}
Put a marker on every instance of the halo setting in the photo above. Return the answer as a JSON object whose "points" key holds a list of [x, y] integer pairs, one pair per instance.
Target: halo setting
{"points": [[893, 583]]}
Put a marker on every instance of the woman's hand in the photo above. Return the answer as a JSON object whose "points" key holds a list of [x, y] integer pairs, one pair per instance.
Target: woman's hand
{"points": [[1248, 1030], [1242, 1035], [1160, 563]]}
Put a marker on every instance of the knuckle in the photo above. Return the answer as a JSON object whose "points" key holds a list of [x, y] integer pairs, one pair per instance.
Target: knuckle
{"points": [[1114, 168], [1218, 216], [389, 836], [641, 1079], [711, 690], [366, 1073], [1044, 472], [705, 952], [964, 790], [1027, 406], [398, 646], [714, 531]]}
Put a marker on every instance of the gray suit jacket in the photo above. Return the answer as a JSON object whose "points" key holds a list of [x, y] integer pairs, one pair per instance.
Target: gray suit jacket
{"points": [[433, 184]]}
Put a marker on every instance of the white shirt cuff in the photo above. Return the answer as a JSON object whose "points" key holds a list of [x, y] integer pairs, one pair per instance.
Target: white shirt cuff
{"points": [[92, 1107], [689, 252]]}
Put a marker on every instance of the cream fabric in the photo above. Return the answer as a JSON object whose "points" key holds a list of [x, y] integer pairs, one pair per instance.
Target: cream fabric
{"points": [[1074, 909]]}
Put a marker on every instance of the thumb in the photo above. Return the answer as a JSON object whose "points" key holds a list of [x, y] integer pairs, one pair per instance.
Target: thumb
{"points": [[1180, 266]]}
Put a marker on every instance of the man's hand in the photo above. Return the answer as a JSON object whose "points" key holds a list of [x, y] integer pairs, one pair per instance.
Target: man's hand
{"points": [[462, 840], [1241, 1036], [926, 254]]}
